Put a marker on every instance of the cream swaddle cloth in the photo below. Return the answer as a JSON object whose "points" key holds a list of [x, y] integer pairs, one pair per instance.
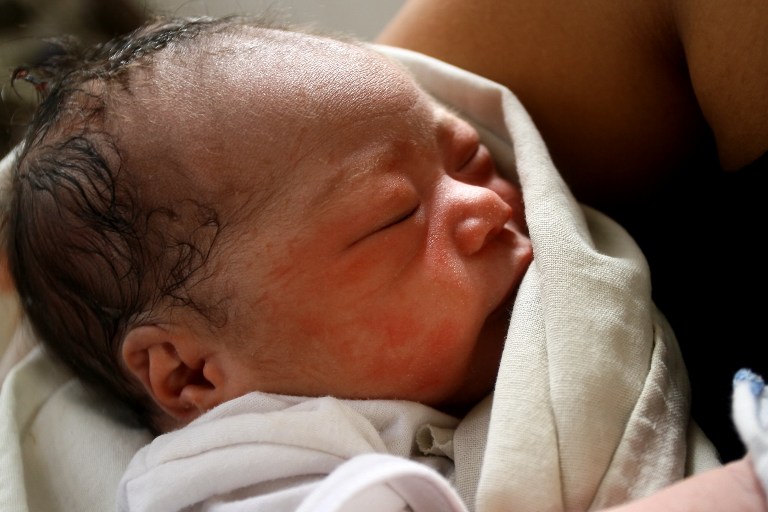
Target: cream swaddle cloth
{"points": [[591, 405]]}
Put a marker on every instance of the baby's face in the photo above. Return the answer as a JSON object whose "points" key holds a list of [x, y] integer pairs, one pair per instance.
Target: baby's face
{"points": [[387, 264]]}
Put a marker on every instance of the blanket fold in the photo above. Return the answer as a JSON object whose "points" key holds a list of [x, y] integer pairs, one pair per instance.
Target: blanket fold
{"points": [[272, 452], [591, 403]]}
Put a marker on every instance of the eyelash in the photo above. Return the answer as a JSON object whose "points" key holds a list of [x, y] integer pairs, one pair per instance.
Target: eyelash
{"points": [[400, 219], [470, 157]]}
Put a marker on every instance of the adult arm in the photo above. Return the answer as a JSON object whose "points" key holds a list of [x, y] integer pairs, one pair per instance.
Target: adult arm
{"points": [[623, 92], [731, 487], [726, 46]]}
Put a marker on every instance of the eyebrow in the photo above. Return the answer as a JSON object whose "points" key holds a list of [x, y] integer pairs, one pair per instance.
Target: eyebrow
{"points": [[383, 158], [343, 181]]}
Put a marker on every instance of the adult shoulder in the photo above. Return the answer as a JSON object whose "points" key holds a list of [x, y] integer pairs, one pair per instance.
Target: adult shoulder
{"points": [[623, 92]]}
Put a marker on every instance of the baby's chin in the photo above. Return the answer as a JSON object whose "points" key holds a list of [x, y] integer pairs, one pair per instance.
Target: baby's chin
{"points": [[500, 316], [481, 375]]}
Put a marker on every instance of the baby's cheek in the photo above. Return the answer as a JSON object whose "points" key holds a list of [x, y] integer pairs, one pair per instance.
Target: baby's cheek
{"points": [[419, 359]]}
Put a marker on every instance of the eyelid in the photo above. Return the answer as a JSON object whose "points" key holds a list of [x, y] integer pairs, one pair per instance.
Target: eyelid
{"points": [[479, 166], [470, 156], [394, 221], [402, 217]]}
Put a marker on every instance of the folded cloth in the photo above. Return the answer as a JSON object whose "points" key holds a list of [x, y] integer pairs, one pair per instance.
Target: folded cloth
{"points": [[273, 453], [591, 406], [61, 448]]}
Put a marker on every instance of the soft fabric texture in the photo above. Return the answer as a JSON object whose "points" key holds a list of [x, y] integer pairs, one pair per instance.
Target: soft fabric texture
{"points": [[590, 408], [271, 453], [61, 449], [591, 405]]}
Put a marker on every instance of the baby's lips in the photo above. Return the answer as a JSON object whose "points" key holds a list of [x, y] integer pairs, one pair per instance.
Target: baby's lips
{"points": [[513, 196]]}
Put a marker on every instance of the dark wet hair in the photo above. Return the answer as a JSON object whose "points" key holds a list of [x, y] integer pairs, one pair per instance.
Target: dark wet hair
{"points": [[88, 256]]}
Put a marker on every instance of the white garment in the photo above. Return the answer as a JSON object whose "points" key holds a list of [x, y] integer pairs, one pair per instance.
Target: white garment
{"points": [[61, 449], [273, 453]]}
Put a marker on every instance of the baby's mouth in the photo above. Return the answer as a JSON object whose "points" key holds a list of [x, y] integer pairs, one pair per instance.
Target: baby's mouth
{"points": [[504, 308], [522, 261]]}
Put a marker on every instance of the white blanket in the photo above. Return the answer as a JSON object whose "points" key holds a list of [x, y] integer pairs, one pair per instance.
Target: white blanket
{"points": [[272, 453], [591, 404]]}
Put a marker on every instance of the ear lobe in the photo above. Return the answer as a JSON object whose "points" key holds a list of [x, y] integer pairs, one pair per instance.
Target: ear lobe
{"points": [[171, 365]]}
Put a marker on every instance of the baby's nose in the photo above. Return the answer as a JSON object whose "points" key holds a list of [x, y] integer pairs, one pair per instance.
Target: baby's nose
{"points": [[480, 214]]}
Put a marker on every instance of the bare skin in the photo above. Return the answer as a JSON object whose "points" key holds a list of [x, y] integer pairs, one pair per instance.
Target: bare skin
{"points": [[393, 209], [731, 487], [608, 83]]}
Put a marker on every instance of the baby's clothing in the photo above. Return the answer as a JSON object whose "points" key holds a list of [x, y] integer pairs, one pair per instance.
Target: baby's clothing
{"points": [[271, 452]]}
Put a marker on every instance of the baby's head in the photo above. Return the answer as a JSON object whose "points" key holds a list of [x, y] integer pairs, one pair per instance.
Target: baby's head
{"points": [[211, 207]]}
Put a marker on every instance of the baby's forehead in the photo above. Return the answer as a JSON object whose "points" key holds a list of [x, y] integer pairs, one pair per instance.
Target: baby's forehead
{"points": [[270, 78], [235, 116], [274, 87], [270, 57]]}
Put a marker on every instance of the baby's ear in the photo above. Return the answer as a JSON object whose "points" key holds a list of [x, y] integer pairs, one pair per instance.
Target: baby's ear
{"points": [[175, 368]]}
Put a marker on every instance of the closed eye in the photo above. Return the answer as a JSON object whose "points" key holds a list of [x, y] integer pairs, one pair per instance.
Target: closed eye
{"points": [[470, 155], [479, 166], [391, 223], [402, 217]]}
